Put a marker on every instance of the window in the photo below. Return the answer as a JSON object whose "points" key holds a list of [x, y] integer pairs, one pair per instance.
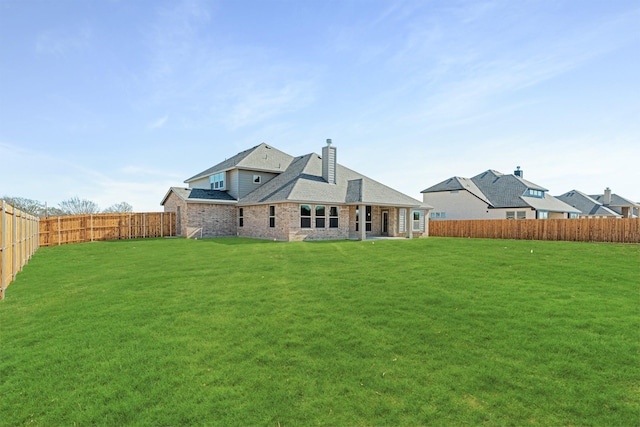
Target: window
{"points": [[305, 216], [417, 223], [511, 215], [521, 215], [402, 221], [333, 217], [241, 217], [543, 215], [272, 216], [367, 218], [217, 181], [257, 179], [320, 216], [573, 215], [534, 193]]}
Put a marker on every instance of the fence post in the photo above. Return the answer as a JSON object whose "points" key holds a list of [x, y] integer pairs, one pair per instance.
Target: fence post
{"points": [[14, 244], [161, 224], [144, 225], [3, 242], [130, 226], [91, 221]]}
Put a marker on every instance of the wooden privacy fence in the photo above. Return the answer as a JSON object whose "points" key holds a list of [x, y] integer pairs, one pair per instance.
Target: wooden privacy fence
{"points": [[61, 230], [18, 241], [615, 230]]}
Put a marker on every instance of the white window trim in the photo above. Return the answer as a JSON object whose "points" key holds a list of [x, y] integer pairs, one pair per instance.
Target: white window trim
{"points": [[402, 220], [419, 221]]}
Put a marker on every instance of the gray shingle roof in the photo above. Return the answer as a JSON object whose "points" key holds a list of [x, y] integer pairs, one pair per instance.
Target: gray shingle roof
{"points": [[585, 204], [616, 200], [262, 157], [502, 191], [195, 195], [303, 182]]}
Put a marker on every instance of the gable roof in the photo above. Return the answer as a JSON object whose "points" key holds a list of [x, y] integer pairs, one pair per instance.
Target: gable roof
{"points": [[303, 182], [199, 195], [458, 183], [586, 204], [503, 191], [262, 157], [615, 200]]}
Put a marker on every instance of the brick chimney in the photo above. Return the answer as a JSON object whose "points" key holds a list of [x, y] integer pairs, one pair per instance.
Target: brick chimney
{"points": [[606, 200], [329, 163]]}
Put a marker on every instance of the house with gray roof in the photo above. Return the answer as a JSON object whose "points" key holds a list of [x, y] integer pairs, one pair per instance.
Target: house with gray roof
{"points": [[587, 205], [265, 193], [493, 195], [625, 207]]}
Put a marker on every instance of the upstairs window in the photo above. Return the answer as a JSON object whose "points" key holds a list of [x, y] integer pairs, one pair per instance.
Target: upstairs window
{"points": [[534, 193], [305, 216], [333, 217], [320, 216], [217, 181]]}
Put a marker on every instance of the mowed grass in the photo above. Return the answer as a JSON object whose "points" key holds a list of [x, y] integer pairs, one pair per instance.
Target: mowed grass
{"points": [[243, 332]]}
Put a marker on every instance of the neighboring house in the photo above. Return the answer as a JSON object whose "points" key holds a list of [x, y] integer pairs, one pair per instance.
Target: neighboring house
{"points": [[493, 195], [587, 205], [267, 194], [625, 207]]}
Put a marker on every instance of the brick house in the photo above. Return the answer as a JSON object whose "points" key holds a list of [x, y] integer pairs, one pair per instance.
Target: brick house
{"points": [[265, 193]]}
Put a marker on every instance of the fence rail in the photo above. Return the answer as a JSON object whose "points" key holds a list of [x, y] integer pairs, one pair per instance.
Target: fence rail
{"points": [[18, 241], [61, 230], [615, 230]]}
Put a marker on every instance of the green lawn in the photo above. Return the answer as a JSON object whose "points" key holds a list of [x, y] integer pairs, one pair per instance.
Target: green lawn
{"points": [[398, 332]]}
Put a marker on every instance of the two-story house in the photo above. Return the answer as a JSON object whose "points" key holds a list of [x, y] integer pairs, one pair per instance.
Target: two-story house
{"points": [[493, 195], [268, 194]]}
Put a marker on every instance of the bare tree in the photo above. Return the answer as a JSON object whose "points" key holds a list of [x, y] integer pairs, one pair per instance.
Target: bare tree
{"points": [[121, 207], [77, 206], [30, 206]]}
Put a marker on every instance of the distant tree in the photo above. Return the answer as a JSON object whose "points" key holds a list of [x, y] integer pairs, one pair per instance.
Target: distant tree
{"points": [[121, 207], [77, 206], [30, 206]]}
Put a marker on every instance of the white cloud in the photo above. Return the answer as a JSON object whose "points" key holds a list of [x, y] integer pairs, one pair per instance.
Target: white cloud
{"points": [[158, 123]]}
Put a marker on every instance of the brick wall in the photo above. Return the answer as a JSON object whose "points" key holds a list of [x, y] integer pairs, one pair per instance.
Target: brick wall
{"points": [[214, 220], [172, 204]]}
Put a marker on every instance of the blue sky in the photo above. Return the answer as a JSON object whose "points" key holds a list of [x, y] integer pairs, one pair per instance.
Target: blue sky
{"points": [[119, 100]]}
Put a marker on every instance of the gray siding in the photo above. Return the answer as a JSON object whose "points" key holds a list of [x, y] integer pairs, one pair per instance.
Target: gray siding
{"points": [[246, 184], [232, 183]]}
